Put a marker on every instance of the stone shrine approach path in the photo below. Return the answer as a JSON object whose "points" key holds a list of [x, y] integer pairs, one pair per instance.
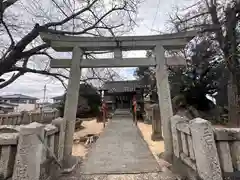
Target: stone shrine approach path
{"points": [[120, 153]]}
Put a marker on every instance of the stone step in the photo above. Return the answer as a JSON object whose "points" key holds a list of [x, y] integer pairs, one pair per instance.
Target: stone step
{"points": [[144, 176]]}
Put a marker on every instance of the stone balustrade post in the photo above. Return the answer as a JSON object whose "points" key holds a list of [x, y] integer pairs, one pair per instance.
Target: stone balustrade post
{"points": [[59, 138], [29, 152], [25, 118], [8, 143], [41, 120], [175, 134], [207, 160], [156, 124]]}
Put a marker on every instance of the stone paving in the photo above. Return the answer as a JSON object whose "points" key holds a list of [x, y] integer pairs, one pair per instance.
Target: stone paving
{"points": [[120, 149], [120, 154]]}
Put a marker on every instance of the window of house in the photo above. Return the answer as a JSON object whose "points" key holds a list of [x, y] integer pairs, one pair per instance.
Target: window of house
{"points": [[14, 101], [22, 101]]}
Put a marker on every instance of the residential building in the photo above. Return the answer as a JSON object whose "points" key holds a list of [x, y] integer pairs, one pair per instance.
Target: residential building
{"points": [[7, 107], [21, 102], [58, 99]]}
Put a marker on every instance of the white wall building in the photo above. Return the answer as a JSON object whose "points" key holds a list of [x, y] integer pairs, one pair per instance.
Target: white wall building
{"points": [[23, 102]]}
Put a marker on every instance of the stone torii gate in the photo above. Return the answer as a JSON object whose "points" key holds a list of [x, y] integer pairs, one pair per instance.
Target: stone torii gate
{"points": [[157, 43]]}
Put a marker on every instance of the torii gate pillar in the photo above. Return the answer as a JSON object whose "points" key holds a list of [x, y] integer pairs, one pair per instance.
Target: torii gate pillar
{"points": [[71, 103], [165, 103]]}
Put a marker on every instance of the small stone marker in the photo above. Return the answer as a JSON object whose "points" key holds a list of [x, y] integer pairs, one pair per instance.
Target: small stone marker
{"points": [[29, 152], [207, 161]]}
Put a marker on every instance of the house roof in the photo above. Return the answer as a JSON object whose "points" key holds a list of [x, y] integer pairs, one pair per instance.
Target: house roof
{"points": [[7, 105], [121, 86], [17, 96], [58, 97]]}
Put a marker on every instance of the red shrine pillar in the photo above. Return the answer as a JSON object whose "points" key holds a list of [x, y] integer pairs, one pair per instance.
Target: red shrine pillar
{"points": [[104, 112], [134, 109]]}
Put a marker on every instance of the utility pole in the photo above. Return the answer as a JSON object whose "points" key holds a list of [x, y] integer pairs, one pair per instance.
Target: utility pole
{"points": [[44, 97], [44, 93]]}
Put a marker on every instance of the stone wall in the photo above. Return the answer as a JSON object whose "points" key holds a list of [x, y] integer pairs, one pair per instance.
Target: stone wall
{"points": [[31, 152], [28, 117]]}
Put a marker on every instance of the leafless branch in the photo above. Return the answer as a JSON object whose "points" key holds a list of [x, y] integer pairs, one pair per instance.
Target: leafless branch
{"points": [[91, 23], [43, 72], [10, 36], [59, 8], [84, 31], [4, 5], [94, 26], [11, 80], [70, 17]]}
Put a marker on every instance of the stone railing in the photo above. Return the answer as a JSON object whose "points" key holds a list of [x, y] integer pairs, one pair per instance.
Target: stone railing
{"points": [[228, 146], [31, 152], [194, 144], [28, 117], [8, 149]]}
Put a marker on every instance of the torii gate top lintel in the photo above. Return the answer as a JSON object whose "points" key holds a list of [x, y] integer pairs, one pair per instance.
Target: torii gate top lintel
{"points": [[65, 43]]}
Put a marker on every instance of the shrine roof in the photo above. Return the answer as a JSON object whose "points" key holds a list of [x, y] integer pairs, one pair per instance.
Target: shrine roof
{"points": [[121, 86]]}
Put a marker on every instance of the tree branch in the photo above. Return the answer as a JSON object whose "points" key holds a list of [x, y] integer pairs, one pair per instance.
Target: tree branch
{"points": [[94, 26], [14, 76], [70, 17], [10, 36], [4, 5], [43, 72], [213, 12], [11, 80], [35, 50]]}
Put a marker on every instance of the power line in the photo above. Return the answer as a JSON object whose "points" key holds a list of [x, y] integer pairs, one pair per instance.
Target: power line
{"points": [[154, 19]]}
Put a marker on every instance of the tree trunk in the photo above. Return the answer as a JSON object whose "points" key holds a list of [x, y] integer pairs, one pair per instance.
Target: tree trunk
{"points": [[233, 104]]}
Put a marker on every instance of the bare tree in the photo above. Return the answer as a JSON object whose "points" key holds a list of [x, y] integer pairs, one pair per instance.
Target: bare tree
{"points": [[21, 21], [218, 20]]}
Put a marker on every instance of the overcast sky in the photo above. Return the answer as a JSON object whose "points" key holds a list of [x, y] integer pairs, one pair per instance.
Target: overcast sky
{"points": [[153, 16]]}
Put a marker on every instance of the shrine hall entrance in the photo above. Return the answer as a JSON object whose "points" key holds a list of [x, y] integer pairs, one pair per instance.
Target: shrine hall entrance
{"points": [[119, 94], [123, 101]]}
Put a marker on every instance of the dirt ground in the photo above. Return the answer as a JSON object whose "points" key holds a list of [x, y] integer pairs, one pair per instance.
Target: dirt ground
{"points": [[92, 127], [156, 147]]}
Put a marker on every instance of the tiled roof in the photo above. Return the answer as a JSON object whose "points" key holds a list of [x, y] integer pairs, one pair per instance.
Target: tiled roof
{"points": [[58, 97], [10, 104], [121, 86], [17, 96]]}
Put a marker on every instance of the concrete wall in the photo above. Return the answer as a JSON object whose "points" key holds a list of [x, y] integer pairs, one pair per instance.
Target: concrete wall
{"points": [[32, 151], [25, 107], [207, 152]]}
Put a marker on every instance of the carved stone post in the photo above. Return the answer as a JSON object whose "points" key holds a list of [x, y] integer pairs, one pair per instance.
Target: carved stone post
{"points": [[25, 118], [59, 138], [207, 161], [29, 152], [233, 103], [165, 102], [71, 103], [156, 124]]}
